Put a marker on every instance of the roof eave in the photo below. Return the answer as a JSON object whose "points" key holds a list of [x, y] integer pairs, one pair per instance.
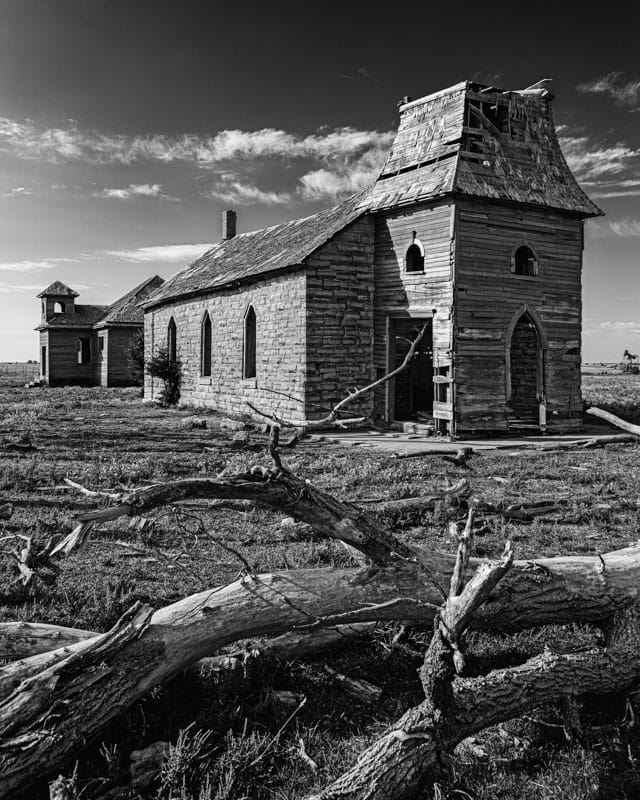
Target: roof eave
{"points": [[231, 284]]}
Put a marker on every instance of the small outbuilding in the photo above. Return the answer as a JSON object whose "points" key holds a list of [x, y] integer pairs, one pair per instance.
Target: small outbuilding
{"points": [[87, 345], [473, 228]]}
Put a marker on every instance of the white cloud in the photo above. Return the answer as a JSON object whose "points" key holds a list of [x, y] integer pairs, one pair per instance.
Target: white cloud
{"points": [[28, 140], [625, 227], [32, 266], [590, 162], [171, 253], [343, 179], [612, 85], [620, 328], [229, 189], [133, 190], [19, 191]]}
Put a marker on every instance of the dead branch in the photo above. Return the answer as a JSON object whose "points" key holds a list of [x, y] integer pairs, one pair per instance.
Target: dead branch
{"points": [[629, 427], [332, 418]]}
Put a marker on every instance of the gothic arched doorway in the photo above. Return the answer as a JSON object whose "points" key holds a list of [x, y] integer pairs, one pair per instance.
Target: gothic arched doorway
{"points": [[526, 368]]}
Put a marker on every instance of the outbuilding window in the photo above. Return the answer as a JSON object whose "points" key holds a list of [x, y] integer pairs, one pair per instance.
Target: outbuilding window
{"points": [[172, 336], [249, 359], [525, 261], [84, 350], [205, 350]]}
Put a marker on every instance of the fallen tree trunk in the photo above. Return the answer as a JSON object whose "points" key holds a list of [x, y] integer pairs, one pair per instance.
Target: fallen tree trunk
{"points": [[401, 762], [20, 640], [617, 421], [405, 759], [56, 702], [23, 639]]}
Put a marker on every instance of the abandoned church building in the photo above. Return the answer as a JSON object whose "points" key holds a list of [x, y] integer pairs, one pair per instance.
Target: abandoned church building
{"points": [[86, 345], [474, 227]]}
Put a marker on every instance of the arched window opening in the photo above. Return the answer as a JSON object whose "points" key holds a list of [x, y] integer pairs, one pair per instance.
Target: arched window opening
{"points": [[414, 259], [171, 341], [525, 262], [205, 360], [249, 361], [58, 308]]}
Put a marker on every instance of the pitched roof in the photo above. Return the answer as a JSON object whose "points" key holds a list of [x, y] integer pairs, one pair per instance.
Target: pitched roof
{"points": [[467, 140], [258, 252], [82, 317], [127, 310], [58, 289]]}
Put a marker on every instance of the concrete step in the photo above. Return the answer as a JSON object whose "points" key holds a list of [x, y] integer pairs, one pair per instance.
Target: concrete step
{"points": [[421, 428]]}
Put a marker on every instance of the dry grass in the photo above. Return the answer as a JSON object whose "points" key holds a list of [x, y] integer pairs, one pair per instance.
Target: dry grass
{"points": [[107, 439]]}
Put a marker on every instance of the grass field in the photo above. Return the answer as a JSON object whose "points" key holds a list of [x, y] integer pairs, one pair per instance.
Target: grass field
{"points": [[18, 373], [108, 439]]}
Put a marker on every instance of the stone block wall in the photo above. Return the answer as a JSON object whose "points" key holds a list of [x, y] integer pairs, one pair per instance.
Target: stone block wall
{"points": [[279, 386], [339, 348]]}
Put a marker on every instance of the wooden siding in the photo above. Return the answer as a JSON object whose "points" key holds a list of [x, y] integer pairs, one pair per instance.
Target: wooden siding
{"points": [[102, 358], [63, 359], [488, 296], [400, 294], [116, 352]]}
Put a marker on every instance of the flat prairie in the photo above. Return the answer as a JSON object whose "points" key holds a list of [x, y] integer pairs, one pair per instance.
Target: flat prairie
{"points": [[225, 734]]}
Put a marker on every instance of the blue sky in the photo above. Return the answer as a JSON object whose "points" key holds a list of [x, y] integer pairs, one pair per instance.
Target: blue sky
{"points": [[127, 126]]}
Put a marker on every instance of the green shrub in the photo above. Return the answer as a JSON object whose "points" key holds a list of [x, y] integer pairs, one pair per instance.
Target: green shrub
{"points": [[169, 372]]}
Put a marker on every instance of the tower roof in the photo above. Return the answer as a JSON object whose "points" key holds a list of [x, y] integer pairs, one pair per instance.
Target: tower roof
{"points": [[58, 289], [479, 141]]}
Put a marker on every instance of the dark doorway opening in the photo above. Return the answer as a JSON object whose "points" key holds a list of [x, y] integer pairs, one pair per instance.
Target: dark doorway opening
{"points": [[526, 378], [43, 359], [412, 389]]}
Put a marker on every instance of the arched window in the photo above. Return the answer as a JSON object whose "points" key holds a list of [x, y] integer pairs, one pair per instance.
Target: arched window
{"points": [[414, 257], [205, 349], [249, 359], [525, 261], [172, 340], [58, 308]]}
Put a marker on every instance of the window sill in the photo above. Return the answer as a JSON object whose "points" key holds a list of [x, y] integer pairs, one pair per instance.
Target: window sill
{"points": [[250, 383], [525, 277], [414, 272], [205, 380]]}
